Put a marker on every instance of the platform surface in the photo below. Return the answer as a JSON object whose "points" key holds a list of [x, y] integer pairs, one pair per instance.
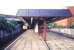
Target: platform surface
{"points": [[58, 42], [29, 40]]}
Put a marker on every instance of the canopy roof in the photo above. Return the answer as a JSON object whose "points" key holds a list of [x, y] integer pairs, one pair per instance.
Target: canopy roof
{"points": [[44, 12]]}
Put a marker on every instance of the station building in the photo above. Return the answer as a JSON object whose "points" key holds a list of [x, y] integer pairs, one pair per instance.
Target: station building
{"points": [[43, 17]]}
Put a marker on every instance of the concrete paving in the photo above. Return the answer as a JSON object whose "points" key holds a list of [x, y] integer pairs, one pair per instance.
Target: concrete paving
{"points": [[29, 40], [58, 42]]}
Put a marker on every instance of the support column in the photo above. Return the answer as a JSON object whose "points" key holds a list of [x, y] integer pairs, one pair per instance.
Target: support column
{"points": [[43, 28]]}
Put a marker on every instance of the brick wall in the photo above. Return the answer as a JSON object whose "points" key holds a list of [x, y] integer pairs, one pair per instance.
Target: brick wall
{"points": [[67, 21], [71, 8]]}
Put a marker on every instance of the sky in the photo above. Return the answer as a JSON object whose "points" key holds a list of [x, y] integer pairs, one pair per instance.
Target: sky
{"points": [[10, 7]]}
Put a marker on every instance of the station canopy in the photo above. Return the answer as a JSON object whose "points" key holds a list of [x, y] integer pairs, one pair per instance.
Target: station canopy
{"points": [[44, 12]]}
